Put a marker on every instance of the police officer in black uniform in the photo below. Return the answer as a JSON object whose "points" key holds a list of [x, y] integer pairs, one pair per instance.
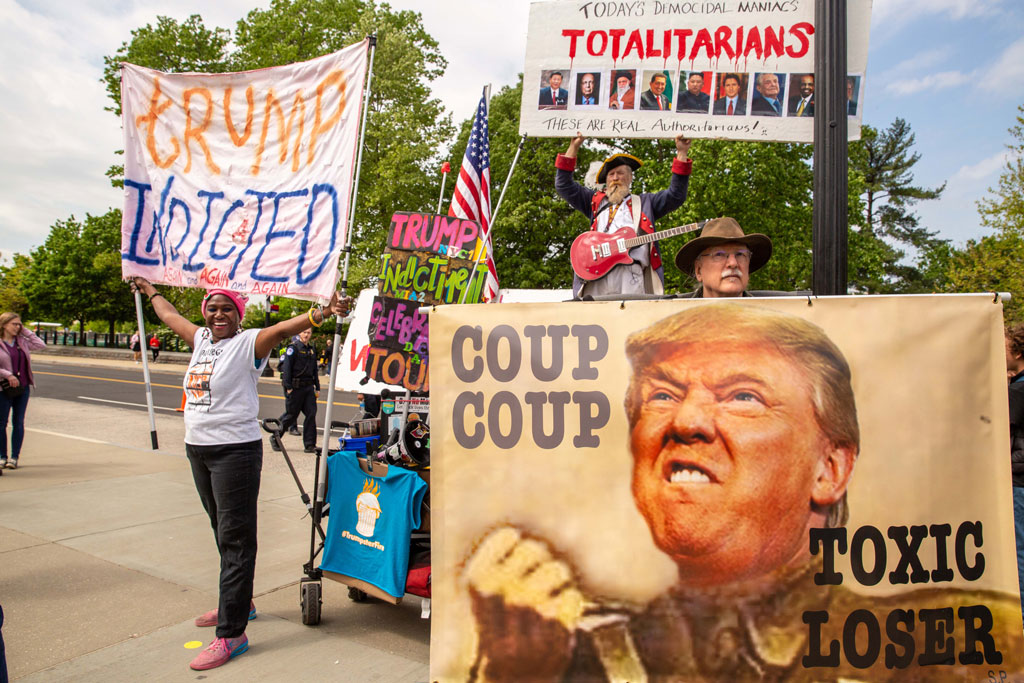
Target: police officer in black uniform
{"points": [[301, 387]]}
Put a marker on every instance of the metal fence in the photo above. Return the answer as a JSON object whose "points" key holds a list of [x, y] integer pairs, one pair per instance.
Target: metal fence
{"points": [[168, 342]]}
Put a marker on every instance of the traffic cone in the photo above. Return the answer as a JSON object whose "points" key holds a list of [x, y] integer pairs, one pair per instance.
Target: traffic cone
{"points": [[182, 408]]}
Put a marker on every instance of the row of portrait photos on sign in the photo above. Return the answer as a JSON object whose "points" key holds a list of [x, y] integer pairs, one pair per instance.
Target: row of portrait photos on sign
{"points": [[725, 93]]}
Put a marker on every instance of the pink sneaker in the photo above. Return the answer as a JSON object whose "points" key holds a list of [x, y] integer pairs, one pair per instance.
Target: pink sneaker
{"points": [[219, 652], [210, 618]]}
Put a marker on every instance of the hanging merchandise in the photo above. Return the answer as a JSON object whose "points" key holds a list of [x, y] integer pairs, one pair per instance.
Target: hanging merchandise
{"points": [[371, 520]]}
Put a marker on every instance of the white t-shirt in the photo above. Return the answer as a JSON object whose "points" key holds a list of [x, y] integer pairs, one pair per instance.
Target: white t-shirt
{"points": [[222, 405]]}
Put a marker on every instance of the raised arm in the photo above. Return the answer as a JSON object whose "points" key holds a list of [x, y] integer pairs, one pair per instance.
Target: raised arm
{"points": [[576, 195], [165, 310], [270, 337]]}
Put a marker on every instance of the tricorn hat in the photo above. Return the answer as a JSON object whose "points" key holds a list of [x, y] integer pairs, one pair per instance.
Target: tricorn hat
{"points": [[615, 161], [724, 230]]}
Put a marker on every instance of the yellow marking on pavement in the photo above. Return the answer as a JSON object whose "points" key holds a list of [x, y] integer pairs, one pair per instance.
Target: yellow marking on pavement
{"points": [[105, 379], [167, 386], [193, 644]]}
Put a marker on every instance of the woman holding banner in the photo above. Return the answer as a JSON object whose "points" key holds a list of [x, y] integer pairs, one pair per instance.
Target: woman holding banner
{"points": [[224, 444]]}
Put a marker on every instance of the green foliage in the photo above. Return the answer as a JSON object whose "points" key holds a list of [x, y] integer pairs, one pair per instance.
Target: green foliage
{"points": [[168, 46], [765, 186], [882, 163], [993, 263], [76, 273], [12, 295], [1004, 209], [534, 227]]}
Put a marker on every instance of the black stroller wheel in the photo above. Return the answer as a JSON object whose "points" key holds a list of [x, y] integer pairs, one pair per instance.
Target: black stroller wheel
{"points": [[310, 596]]}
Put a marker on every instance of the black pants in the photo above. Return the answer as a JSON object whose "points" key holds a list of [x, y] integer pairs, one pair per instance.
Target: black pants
{"points": [[227, 478], [302, 399]]}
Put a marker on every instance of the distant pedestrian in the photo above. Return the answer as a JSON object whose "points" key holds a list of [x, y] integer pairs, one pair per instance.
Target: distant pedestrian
{"points": [[224, 445], [16, 382], [136, 346], [301, 388], [325, 356], [154, 346]]}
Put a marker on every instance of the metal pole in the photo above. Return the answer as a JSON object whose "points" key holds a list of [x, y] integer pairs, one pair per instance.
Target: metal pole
{"points": [[445, 168], [508, 178], [829, 233], [501, 197], [144, 345], [321, 476]]}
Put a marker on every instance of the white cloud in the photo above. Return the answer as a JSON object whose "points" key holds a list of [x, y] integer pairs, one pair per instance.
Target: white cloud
{"points": [[895, 13], [1008, 68], [981, 171], [932, 82], [905, 78]]}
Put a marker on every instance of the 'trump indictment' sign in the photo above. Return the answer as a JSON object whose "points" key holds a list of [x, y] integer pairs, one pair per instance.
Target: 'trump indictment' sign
{"points": [[241, 180]]}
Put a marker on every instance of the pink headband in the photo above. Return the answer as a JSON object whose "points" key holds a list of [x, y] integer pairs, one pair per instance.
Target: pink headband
{"points": [[236, 299]]}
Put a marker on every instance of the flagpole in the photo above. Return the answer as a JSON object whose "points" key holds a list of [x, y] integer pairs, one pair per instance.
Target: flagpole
{"points": [[445, 168], [508, 179], [320, 483]]}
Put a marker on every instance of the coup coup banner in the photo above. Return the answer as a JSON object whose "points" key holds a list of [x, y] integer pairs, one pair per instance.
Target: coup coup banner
{"points": [[739, 70], [241, 180], [766, 489]]}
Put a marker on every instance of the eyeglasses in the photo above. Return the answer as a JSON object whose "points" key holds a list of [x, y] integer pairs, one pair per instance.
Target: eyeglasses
{"points": [[742, 256]]}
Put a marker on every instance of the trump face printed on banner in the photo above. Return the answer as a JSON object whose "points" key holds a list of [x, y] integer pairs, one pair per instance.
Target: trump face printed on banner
{"points": [[732, 460]]}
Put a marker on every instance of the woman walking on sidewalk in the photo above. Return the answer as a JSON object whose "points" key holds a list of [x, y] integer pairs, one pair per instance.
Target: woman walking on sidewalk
{"points": [[224, 444], [136, 346], [16, 381]]}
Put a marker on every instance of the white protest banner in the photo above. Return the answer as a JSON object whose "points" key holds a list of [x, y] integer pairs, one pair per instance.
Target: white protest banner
{"points": [[738, 70], [241, 180]]}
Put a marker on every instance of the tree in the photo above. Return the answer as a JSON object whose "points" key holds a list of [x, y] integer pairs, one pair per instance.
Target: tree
{"points": [[76, 273], [1004, 209], [12, 296], [993, 263], [883, 164]]}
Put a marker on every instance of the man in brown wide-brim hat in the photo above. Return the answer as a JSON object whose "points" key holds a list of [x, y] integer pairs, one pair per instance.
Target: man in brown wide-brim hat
{"points": [[722, 259]]}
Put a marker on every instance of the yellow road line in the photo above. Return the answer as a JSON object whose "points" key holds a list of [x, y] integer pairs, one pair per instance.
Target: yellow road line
{"points": [[167, 386]]}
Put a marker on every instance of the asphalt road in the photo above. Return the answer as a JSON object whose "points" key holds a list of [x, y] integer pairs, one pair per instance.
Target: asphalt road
{"points": [[119, 387]]}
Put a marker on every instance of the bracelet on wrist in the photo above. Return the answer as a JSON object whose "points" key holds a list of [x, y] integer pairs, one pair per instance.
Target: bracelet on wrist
{"points": [[154, 295], [309, 314]]}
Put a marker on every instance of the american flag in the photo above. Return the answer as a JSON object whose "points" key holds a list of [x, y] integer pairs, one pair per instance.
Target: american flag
{"points": [[472, 198]]}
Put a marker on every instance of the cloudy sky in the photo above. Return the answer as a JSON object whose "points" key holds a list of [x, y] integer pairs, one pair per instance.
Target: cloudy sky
{"points": [[954, 69]]}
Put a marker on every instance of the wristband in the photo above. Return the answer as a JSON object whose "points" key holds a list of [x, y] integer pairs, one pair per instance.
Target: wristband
{"points": [[154, 295], [309, 314]]}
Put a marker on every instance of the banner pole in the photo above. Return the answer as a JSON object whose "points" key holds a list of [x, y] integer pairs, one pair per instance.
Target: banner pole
{"points": [[144, 346], [321, 474]]}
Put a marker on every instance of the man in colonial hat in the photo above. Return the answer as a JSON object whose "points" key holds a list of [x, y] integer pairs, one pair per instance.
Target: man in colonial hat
{"points": [[722, 259], [614, 207]]}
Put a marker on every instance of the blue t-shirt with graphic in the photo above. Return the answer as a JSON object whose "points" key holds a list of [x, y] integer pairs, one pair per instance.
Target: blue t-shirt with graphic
{"points": [[370, 522]]}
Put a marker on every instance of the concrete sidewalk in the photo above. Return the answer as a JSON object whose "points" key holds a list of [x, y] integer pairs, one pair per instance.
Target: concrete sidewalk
{"points": [[106, 557]]}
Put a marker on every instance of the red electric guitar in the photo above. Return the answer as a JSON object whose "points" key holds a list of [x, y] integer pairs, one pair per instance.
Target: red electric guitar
{"points": [[594, 253]]}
